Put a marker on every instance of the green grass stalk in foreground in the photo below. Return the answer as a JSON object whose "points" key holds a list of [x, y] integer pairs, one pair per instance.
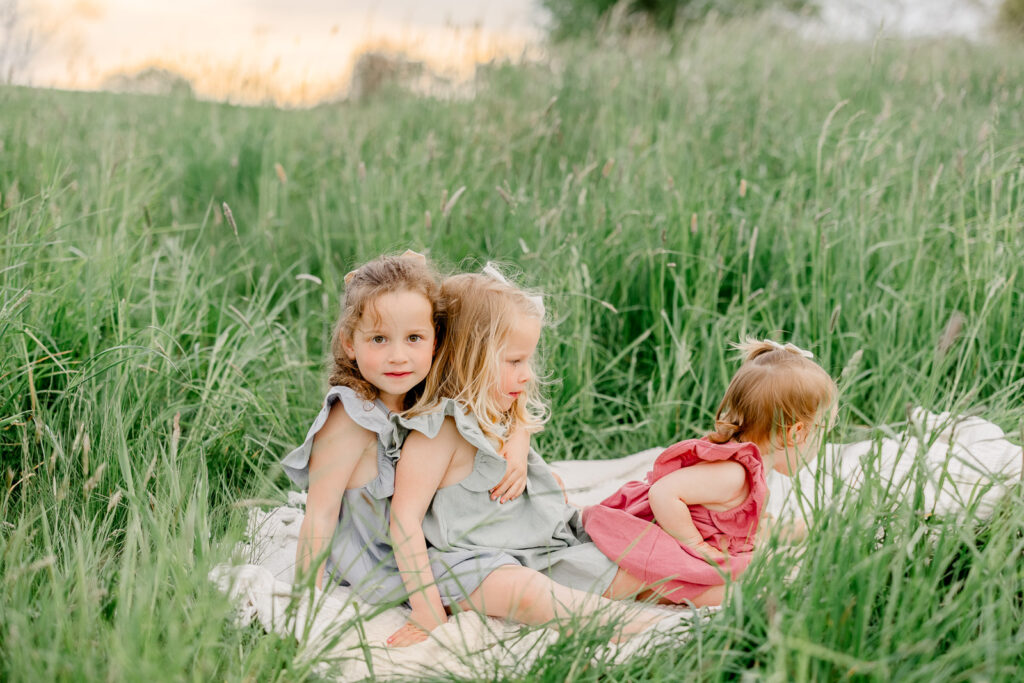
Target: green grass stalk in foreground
{"points": [[862, 201]]}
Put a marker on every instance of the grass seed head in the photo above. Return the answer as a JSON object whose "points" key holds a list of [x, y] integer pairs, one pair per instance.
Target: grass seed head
{"points": [[231, 217], [951, 333], [93, 481]]}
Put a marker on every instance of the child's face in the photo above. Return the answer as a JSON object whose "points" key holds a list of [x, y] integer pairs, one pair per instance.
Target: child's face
{"points": [[516, 370], [393, 345]]}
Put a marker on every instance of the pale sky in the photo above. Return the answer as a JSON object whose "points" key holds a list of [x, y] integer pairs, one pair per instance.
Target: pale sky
{"points": [[292, 50], [301, 51]]}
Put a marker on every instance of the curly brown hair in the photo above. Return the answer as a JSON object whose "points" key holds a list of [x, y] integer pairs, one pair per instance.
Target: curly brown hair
{"points": [[408, 272]]}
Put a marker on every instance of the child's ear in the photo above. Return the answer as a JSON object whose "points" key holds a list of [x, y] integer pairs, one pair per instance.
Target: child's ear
{"points": [[787, 459], [797, 434], [350, 349]]}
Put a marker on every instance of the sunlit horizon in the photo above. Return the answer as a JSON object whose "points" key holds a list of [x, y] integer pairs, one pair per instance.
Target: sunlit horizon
{"points": [[302, 52], [261, 51]]}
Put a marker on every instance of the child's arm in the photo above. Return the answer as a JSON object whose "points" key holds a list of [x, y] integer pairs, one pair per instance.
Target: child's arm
{"points": [[715, 484], [418, 474], [336, 450], [789, 532], [516, 451]]}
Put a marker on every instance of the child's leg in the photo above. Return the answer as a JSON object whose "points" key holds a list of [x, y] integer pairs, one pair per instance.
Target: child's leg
{"points": [[524, 595], [625, 586]]}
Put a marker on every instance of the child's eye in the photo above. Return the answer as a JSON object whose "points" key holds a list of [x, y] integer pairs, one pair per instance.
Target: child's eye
{"points": [[415, 337], [515, 361], [378, 339]]}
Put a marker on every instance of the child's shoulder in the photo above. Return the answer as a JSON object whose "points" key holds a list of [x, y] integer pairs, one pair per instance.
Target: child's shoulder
{"points": [[448, 416], [694, 451], [439, 428], [345, 414], [339, 421], [359, 409]]}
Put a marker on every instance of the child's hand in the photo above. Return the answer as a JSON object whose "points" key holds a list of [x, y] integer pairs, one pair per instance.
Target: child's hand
{"points": [[708, 551], [512, 485]]}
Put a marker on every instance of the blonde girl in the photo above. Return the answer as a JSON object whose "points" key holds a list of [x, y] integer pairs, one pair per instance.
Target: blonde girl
{"points": [[696, 516], [481, 389]]}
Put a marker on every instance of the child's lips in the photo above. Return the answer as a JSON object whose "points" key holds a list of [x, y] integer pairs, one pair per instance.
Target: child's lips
{"points": [[398, 374]]}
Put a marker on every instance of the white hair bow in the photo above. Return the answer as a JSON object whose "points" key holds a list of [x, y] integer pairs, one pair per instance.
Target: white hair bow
{"points": [[535, 299], [789, 347]]}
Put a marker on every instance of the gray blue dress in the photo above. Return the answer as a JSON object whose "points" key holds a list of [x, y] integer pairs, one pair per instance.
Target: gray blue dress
{"points": [[361, 555], [471, 535]]}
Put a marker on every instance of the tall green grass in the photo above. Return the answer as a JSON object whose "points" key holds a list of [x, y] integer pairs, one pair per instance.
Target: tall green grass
{"points": [[668, 198]]}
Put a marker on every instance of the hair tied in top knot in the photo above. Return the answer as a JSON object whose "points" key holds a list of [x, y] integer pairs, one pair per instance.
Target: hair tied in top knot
{"points": [[535, 299], [792, 348]]}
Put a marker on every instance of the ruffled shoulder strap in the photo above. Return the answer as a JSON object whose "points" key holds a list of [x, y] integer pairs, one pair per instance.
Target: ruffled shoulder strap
{"points": [[488, 466], [370, 415], [693, 451]]}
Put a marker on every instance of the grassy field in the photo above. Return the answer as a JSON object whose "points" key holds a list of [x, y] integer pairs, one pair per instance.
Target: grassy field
{"points": [[863, 201]]}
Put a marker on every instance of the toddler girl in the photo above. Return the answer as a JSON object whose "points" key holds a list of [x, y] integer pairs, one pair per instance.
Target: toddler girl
{"points": [[382, 348], [696, 516], [481, 388]]}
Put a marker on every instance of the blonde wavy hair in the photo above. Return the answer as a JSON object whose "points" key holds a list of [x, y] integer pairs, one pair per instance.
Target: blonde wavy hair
{"points": [[481, 313], [408, 272], [777, 386]]}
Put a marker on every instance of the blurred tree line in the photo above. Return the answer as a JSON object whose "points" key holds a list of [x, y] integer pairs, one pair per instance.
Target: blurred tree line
{"points": [[575, 18], [1011, 16]]}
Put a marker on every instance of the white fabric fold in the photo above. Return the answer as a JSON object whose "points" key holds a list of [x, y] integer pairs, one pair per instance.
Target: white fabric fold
{"points": [[967, 464]]}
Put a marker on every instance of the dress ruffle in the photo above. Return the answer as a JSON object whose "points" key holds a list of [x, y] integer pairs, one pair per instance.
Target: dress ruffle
{"points": [[538, 529], [623, 525], [488, 466], [370, 415]]}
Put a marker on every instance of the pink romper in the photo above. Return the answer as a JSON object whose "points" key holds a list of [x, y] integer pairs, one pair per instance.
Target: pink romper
{"points": [[623, 525]]}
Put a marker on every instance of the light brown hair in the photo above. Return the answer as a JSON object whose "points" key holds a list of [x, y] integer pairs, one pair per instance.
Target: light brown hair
{"points": [[408, 272], [776, 387], [481, 313]]}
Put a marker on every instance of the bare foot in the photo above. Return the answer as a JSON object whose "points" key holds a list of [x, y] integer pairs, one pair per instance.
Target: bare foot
{"points": [[643, 621], [410, 634]]}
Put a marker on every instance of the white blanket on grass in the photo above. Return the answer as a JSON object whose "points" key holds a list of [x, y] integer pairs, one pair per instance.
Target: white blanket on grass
{"points": [[964, 464]]}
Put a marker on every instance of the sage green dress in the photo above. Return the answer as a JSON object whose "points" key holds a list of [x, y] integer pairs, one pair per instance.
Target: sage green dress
{"points": [[361, 554], [471, 535]]}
